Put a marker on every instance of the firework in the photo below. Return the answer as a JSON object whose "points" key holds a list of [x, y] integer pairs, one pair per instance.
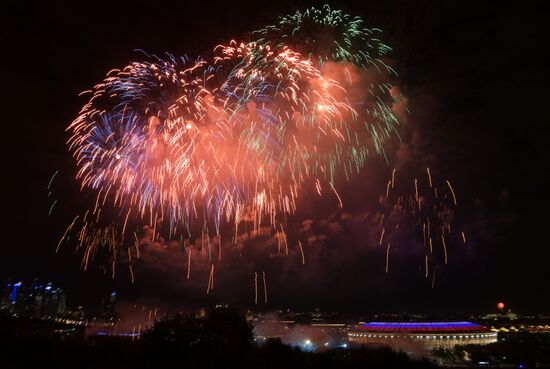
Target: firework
{"points": [[182, 144], [325, 34], [421, 211], [341, 47], [147, 139]]}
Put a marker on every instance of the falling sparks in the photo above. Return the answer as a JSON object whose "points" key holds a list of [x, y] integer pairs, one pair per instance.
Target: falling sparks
{"points": [[210, 286], [302, 253], [416, 192], [131, 273], [387, 257], [256, 288], [51, 208], [452, 192], [265, 287], [425, 209], [65, 234], [189, 263], [444, 247], [52, 178], [340, 204]]}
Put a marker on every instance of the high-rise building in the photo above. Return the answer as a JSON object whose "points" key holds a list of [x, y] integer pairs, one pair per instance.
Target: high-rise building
{"points": [[107, 310], [36, 300], [16, 296]]}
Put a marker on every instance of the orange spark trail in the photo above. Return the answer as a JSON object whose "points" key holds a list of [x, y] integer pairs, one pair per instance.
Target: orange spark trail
{"points": [[302, 252], [444, 247], [387, 258], [429, 176], [463, 237], [318, 186], [338, 196], [284, 239], [393, 178], [452, 191], [416, 191], [136, 245], [125, 222], [65, 234], [210, 280], [265, 287], [131, 273], [382, 236], [189, 264]]}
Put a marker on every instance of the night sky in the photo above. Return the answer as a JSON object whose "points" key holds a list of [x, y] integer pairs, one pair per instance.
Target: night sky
{"points": [[473, 75]]}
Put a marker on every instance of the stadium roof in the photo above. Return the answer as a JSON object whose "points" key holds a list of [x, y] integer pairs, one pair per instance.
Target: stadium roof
{"points": [[434, 327]]}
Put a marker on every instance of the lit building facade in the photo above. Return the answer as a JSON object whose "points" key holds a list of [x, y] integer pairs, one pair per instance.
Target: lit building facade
{"points": [[35, 300], [407, 336]]}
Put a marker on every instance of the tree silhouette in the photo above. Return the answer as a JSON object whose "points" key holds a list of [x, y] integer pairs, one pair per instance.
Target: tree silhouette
{"points": [[221, 337]]}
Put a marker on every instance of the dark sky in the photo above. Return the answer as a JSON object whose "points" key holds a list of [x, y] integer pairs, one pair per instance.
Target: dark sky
{"points": [[474, 75]]}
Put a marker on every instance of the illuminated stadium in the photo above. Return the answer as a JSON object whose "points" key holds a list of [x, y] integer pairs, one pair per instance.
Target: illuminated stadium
{"points": [[404, 336]]}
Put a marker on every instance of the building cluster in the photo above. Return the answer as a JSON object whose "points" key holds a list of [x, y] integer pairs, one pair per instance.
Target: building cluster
{"points": [[47, 301], [509, 322], [34, 300]]}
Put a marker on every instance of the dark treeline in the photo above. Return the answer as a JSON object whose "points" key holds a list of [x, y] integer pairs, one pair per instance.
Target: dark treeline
{"points": [[221, 339]]}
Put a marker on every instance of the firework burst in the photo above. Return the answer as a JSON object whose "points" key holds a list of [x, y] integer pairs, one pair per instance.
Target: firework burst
{"points": [[234, 138]]}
